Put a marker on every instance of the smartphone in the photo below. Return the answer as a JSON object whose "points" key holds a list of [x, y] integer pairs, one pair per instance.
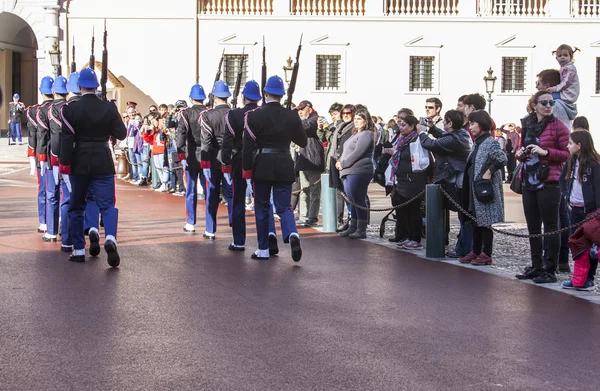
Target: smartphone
{"points": [[423, 121]]}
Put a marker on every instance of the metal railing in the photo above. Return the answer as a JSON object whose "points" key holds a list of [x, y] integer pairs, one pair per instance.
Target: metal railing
{"points": [[236, 7], [515, 8], [328, 7], [421, 7], [585, 8]]}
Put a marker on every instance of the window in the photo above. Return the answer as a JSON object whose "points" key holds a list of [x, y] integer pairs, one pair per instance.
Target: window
{"points": [[328, 72], [421, 73], [513, 74], [597, 75], [231, 68]]}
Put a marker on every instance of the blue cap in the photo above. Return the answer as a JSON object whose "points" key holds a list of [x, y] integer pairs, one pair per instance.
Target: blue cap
{"points": [[197, 92], [16, 96], [221, 90], [251, 90], [275, 86], [88, 79], [72, 83], [46, 85], [60, 85]]}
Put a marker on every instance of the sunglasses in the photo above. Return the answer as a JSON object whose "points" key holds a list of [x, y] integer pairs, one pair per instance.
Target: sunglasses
{"points": [[430, 107], [547, 102], [346, 113]]}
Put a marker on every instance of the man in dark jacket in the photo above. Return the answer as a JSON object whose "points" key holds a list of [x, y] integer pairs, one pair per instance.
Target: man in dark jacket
{"points": [[310, 163]]}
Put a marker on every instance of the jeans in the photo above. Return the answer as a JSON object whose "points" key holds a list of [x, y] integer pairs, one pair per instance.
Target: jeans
{"points": [[542, 207], [464, 244], [355, 187], [310, 198], [15, 131], [145, 159], [578, 215], [483, 236], [133, 158], [161, 172]]}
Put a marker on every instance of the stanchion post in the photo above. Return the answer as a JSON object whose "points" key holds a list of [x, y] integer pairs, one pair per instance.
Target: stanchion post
{"points": [[328, 205], [436, 227]]}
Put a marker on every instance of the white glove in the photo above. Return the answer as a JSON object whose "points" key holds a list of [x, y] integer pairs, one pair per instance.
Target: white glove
{"points": [[184, 164], [206, 172], [67, 182], [32, 165], [227, 176], [43, 168], [249, 185], [55, 174]]}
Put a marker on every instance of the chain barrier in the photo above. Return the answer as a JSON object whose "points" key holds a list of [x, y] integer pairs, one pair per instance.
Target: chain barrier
{"points": [[402, 205], [503, 232]]}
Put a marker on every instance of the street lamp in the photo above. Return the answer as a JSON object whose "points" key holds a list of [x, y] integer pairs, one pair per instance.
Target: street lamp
{"points": [[490, 81], [55, 59], [287, 70]]}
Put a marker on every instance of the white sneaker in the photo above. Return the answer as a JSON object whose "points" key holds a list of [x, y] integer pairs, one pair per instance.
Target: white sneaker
{"points": [[189, 228], [162, 188]]}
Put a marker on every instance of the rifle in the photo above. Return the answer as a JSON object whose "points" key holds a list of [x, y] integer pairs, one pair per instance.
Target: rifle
{"points": [[292, 86], [238, 81], [211, 98], [263, 79], [92, 63], [104, 76], [73, 65]]}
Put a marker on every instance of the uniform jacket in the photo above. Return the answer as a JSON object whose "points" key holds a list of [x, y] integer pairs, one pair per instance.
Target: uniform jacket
{"points": [[486, 154], [231, 149], [451, 150], [43, 131], [212, 123], [312, 156], [32, 129], [15, 111], [554, 138], [87, 125], [55, 129], [590, 186], [275, 127], [189, 136]]}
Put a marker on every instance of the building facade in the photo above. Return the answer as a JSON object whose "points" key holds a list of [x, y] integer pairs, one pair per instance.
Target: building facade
{"points": [[386, 54]]}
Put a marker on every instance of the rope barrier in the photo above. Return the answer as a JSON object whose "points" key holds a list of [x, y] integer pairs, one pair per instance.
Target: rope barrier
{"points": [[502, 232]]}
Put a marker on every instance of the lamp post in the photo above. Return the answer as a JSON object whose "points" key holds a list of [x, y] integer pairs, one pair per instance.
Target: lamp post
{"points": [[490, 82], [55, 59], [287, 70]]}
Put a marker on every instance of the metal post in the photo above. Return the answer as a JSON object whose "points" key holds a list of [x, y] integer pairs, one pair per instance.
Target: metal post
{"points": [[436, 227], [328, 205]]}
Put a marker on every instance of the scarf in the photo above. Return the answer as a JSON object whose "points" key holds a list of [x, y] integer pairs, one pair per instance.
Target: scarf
{"points": [[533, 128], [401, 143]]}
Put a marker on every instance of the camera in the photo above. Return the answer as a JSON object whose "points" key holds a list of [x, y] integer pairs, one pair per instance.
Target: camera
{"points": [[526, 151]]}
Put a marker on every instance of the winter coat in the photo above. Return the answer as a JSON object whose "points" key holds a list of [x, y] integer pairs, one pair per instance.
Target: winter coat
{"points": [[590, 186], [409, 183], [554, 138], [486, 154], [311, 157], [451, 150]]}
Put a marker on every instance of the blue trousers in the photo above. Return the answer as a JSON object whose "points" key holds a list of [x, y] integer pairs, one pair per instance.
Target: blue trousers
{"points": [[91, 218], [263, 211], [213, 194], [191, 193], [238, 212], [356, 187], [103, 188], [15, 131], [42, 195], [52, 203], [65, 199]]}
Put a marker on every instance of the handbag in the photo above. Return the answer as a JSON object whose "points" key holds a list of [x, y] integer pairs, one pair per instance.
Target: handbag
{"points": [[484, 190], [516, 184]]}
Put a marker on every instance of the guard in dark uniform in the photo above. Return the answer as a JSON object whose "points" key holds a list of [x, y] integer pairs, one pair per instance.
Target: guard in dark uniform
{"points": [[86, 163], [189, 139], [15, 115], [267, 159], [231, 155], [37, 149], [213, 127], [52, 181]]}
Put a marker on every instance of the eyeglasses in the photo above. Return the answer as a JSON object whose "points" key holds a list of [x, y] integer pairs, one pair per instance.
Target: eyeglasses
{"points": [[346, 113], [547, 102], [429, 107]]}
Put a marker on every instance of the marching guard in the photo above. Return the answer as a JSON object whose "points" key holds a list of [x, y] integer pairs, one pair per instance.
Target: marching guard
{"points": [[189, 140], [86, 163], [36, 151], [231, 155], [267, 160], [212, 123]]}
